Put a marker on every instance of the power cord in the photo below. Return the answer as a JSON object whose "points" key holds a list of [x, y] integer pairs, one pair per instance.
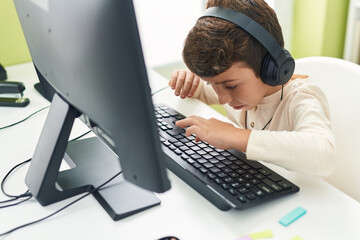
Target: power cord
{"points": [[66, 206], [27, 194], [13, 124], [157, 91]]}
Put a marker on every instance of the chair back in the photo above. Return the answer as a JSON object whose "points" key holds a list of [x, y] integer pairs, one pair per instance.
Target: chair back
{"points": [[340, 81]]}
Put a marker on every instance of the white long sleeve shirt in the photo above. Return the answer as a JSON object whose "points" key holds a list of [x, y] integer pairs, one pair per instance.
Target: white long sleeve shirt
{"points": [[299, 136]]}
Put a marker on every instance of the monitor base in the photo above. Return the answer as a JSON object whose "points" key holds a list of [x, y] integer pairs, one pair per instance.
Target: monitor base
{"points": [[95, 164]]}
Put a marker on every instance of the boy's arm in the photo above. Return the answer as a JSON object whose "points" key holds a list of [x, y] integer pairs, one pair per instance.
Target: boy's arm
{"points": [[309, 145]]}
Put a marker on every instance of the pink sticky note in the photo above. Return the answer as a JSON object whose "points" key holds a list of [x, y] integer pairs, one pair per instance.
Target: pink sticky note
{"points": [[245, 237]]}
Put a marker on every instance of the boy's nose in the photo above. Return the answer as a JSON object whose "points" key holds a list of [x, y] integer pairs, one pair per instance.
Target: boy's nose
{"points": [[224, 98]]}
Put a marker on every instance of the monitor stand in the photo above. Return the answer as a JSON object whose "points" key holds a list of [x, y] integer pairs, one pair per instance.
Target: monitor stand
{"points": [[92, 163]]}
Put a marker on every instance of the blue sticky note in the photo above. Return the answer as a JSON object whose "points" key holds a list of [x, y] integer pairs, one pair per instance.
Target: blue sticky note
{"points": [[292, 216]]}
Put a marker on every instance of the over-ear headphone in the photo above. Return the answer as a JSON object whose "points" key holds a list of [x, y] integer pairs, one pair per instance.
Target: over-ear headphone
{"points": [[277, 66]]}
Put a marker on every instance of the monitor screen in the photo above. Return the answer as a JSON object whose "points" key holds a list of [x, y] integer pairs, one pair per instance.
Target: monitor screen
{"points": [[89, 53]]}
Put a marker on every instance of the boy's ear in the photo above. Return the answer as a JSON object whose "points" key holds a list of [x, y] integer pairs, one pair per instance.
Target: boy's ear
{"points": [[3, 75]]}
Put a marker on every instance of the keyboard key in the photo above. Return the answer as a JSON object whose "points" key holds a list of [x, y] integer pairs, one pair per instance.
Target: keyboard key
{"points": [[259, 176], [178, 144], [218, 180], [243, 190], [190, 152], [235, 185], [272, 185], [208, 165], [195, 148], [189, 144], [201, 152], [214, 169], [250, 196], [275, 177], [197, 165], [265, 188], [214, 153], [220, 165], [184, 148], [232, 191], [225, 154], [211, 175], [194, 156], [284, 184], [257, 191], [229, 180], [201, 161], [222, 175], [233, 174], [248, 185], [213, 161], [202, 145], [220, 158], [254, 164], [242, 199]]}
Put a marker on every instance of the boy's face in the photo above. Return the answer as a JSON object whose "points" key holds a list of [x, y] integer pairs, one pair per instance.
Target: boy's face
{"points": [[240, 87]]}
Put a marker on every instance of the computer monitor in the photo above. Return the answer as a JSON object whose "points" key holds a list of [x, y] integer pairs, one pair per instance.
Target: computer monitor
{"points": [[88, 53]]}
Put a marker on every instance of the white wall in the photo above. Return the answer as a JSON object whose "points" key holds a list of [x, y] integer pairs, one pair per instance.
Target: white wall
{"points": [[164, 24]]}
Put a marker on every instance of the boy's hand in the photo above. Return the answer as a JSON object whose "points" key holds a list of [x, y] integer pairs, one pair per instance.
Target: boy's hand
{"points": [[184, 82], [215, 132]]}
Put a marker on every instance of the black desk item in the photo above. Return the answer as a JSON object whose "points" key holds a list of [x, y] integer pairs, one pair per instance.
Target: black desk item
{"points": [[3, 75], [12, 88], [224, 177]]}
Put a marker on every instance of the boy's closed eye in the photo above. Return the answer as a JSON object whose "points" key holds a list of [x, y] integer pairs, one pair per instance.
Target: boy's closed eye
{"points": [[231, 87]]}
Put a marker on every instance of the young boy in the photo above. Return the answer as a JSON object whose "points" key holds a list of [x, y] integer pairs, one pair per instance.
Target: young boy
{"points": [[288, 125]]}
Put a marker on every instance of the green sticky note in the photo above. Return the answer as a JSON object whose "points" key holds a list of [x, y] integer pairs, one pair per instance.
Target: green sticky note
{"points": [[262, 234]]}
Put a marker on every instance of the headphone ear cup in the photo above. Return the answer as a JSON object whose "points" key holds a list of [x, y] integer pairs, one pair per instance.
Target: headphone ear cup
{"points": [[269, 71], [273, 75]]}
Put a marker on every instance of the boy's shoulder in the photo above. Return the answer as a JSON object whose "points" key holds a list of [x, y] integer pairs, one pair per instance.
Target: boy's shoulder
{"points": [[305, 88]]}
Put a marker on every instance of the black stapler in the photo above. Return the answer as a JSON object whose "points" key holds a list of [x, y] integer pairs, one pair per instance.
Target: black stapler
{"points": [[3, 75], [7, 90]]}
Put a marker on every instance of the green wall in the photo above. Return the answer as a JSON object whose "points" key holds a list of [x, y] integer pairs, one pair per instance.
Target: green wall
{"points": [[319, 28], [13, 48]]}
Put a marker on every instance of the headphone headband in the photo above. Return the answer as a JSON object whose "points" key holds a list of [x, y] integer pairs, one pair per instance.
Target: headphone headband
{"points": [[250, 26], [278, 66]]}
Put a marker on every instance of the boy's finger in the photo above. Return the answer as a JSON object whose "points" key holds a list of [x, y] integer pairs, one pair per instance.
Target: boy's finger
{"points": [[194, 86], [174, 76], [187, 85], [179, 82]]}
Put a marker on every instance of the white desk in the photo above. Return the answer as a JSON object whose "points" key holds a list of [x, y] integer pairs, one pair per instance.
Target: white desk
{"points": [[183, 212]]}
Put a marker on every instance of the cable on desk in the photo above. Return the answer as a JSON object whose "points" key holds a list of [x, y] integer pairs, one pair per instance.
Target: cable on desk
{"points": [[17, 203], [82, 135], [13, 197], [13, 124], [157, 91], [27, 194], [66, 206]]}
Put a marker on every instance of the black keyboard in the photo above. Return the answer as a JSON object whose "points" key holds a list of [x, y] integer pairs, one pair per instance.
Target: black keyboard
{"points": [[224, 177]]}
